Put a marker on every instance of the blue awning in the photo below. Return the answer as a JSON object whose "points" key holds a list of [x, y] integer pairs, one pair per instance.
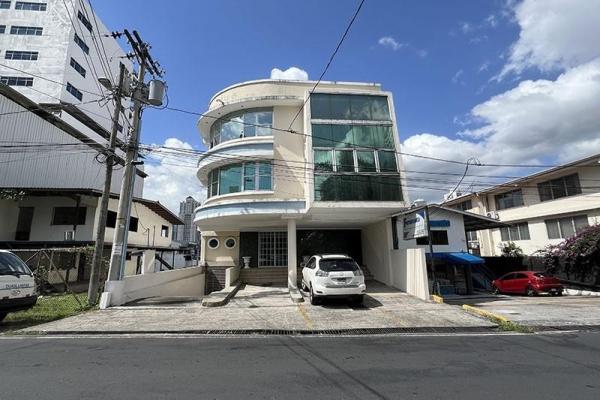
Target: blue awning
{"points": [[458, 257]]}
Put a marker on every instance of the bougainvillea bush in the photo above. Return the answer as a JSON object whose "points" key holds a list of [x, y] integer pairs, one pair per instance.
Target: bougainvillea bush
{"points": [[578, 257]]}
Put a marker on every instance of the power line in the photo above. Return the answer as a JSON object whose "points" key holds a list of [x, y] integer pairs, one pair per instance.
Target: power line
{"points": [[330, 61]]}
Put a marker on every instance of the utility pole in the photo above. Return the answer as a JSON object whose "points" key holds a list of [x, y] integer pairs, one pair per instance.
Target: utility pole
{"points": [[101, 227], [141, 96]]}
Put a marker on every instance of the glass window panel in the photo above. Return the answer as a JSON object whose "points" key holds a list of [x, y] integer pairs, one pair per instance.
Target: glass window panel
{"points": [[265, 119], [545, 191], [323, 160], [581, 222], [387, 161], [383, 137], [344, 187], [360, 107], [504, 234], [363, 135], [321, 135], [265, 176], [342, 136], [344, 160], [230, 178], [572, 185], [524, 231], [319, 106], [379, 108], [513, 232], [249, 176], [566, 227], [366, 161], [552, 229], [340, 107], [390, 188], [362, 188], [264, 182], [558, 188], [325, 189]]}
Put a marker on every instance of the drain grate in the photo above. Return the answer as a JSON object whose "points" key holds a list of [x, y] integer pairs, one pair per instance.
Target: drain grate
{"points": [[581, 328]]}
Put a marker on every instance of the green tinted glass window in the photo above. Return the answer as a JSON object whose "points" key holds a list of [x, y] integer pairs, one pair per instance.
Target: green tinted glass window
{"points": [[230, 179], [344, 160], [383, 137], [264, 176], [379, 108], [340, 106], [325, 189], [387, 161], [321, 135], [361, 107], [323, 160], [363, 135], [342, 136], [366, 161], [249, 176], [349, 107], [319, 106]]}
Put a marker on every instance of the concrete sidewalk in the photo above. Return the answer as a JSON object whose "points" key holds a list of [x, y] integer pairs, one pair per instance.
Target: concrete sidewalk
{"points": [[543, 311], [258, 309]]}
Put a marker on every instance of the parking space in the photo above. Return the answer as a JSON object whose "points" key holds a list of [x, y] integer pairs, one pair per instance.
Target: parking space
{"points": [[271, 308], [543, 310]]}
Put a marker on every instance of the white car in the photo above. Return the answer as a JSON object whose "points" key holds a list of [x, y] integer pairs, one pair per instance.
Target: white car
{"points": [[17, 285], [333, 275]]}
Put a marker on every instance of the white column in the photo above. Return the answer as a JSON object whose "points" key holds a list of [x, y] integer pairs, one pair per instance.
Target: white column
{"points": [[291, 253]]}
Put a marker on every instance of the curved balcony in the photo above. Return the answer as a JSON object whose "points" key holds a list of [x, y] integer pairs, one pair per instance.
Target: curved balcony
{"points": [[234, 151]]}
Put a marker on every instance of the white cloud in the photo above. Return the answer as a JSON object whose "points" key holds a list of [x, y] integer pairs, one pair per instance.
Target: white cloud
{"points": [[491, 20], [537, 121], [422, 53], [390, 42], [466, 27], [457, 77], [292, 73], [171, 177], [555, 34]]}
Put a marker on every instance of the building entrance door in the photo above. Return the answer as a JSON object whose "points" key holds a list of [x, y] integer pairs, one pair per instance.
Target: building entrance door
{"points": [[272, 249]]}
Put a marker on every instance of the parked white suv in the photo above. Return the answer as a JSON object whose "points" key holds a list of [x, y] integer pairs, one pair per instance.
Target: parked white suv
{"points": [[333, 275], [17, 285]]}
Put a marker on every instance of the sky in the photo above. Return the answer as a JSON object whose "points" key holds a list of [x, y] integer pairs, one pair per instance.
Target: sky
{"points": [[495, 81]]}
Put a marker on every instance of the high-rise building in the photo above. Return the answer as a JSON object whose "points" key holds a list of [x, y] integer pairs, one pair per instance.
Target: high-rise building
{"points": [[54, 52], [187, 233]]}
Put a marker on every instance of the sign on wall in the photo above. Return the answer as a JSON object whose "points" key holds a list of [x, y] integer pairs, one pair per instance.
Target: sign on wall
{"points": [[415, 225]]}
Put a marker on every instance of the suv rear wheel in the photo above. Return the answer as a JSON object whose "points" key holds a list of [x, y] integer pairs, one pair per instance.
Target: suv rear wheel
{"points": [[313, 299]]}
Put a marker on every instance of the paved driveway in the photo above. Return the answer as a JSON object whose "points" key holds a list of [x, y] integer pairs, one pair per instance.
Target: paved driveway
{"points": [[544, 310], [271, 308]]}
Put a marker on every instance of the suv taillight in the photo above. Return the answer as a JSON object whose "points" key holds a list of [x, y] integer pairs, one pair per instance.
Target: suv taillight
{"points": [[358, 272], [321, 273]]}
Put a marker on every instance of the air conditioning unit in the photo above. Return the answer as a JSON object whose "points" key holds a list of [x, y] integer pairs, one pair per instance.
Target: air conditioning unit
{"points": [[493, 214], [69, 236]]}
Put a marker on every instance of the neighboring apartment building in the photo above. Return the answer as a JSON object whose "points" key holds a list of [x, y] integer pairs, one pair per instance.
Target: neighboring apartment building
{"points": [[291, 175], [53, 52], [543, 208], [187, 233]]}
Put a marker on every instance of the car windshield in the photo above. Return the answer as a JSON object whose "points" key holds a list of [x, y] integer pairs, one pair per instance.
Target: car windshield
{"points": [[12, 265], [338, 264]]}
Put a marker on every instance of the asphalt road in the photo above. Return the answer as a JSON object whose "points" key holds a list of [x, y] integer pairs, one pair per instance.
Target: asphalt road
{"points": [[401, 367]]}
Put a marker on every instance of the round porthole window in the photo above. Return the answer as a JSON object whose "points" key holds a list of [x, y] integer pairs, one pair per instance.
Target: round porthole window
{"points": [[230, 243], [213, 243]]}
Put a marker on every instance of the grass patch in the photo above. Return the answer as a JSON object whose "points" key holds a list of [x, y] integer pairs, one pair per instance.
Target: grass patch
{"points": [[511, 326], [48, 308]]}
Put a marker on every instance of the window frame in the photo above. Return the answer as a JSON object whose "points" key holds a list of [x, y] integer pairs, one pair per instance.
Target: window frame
{"points": [[70, 216], [520, 227], [502, 196], [26, 30], [559, 227], [5, 4], [24, 81], [30, 6], [84, 21], [32, 55], [81, 44], [74, 91], [232, 246], [547, 189], [79, 68], [216, 130], [210, 240], [256, 174]]}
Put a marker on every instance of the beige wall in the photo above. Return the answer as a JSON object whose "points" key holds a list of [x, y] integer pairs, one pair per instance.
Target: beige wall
{"points": [[376, 250], [9, 210], [289, 173], [149, 226], [221, 254], [535, 212]]}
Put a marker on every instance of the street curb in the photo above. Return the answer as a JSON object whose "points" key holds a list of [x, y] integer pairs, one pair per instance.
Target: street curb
{"points": [[437, 299], [225, 300], [280, 332], [486, 314]]}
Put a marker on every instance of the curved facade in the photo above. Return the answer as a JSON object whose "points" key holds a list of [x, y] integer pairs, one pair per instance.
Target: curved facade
{"points": [[283, 166]]}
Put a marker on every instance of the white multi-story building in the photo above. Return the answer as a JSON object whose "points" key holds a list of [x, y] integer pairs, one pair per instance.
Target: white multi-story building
{"points": [[544, 208], [53, 52], [289, 175]]}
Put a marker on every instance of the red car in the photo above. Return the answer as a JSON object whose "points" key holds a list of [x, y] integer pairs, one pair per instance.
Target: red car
{"points": [[529, 283]]}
